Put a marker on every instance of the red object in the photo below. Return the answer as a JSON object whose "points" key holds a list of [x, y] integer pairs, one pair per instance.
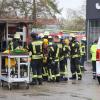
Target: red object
{"points": [[98, 55]]}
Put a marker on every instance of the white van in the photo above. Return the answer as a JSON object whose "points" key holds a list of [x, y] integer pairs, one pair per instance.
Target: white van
{"points": [[98, 61]]}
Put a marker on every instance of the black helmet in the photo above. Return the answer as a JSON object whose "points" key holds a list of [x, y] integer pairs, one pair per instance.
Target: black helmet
{"points": [[34, 36]]}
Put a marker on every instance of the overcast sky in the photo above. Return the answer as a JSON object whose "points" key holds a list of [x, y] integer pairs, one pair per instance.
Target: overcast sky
{"points": [[74, 4]]}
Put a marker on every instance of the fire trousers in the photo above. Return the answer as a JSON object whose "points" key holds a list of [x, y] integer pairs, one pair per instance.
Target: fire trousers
{"points": [[75, 68], [36, 65]]}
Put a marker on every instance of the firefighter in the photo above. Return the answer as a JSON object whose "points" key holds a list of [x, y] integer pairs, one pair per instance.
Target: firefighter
{"points": [[64, 54], [50, 39], [53, 62], [93, 53], [75, 59], [35, 49], [45, 56], [83, 55], [16, 42]]}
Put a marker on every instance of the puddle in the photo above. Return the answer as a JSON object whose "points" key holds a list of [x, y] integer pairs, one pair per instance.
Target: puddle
{"points": [[3, 96], [80, 97], [39, 94]]}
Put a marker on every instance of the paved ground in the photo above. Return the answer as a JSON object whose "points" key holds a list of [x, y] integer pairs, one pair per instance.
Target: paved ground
{"points": [[87, 89]]}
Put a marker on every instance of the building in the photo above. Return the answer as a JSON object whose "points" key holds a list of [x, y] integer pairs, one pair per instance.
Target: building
{"points": [[92, 22], [9, 26]]}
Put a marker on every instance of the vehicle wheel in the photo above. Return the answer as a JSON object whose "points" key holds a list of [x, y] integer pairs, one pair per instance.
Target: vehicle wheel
{"points": [[27, 85], [2, 83], [17, 85], [9, 86], [98, 79]]}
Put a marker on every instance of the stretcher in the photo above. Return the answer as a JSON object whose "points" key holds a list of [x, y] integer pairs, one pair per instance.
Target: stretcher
{"points": [[15, 74]]}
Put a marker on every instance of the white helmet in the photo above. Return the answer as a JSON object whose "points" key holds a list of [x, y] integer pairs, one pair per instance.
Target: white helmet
{"points": [[17, 35], [72, 35], [59, 36], [84, 38], [49, 37]]}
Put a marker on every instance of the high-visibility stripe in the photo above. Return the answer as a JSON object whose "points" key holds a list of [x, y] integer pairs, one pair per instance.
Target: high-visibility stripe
{"points": [[74, 73], [75, 56], [52, 48], [56, 59], [34, 44], [34, 76], [62, 58], [45, 73], [57, 75], [39, 76], [50, 74], [64, 73], [37, 56], [57, 53], [80, 70]]}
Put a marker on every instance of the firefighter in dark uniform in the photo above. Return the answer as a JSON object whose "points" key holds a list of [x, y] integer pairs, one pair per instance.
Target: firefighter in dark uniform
{"points": [[83, 55], [35, 49], [64, 55], [53, 62], [45, 48], [75, 58], [16, 42]]}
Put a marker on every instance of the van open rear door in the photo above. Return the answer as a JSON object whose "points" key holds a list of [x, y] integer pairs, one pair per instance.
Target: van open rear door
{"points": [[98, 61]]}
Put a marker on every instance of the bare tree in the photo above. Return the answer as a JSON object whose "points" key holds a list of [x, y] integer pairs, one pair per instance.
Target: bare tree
{"points": [[75, 19], [25, 8]]}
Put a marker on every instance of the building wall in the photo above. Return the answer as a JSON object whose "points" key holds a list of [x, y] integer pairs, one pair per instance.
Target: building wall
{"points": [[92, 23], [92, 11]]}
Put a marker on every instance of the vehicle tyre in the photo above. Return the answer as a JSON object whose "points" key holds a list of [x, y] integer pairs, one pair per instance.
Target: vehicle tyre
{"points": [[98, 77], [9, 86], [2, 83]]}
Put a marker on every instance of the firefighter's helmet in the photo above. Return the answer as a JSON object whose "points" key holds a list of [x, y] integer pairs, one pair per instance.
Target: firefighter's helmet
{"points": [[72, 35], [45, 41], [33, 35], [17, 35], [66, 41]]}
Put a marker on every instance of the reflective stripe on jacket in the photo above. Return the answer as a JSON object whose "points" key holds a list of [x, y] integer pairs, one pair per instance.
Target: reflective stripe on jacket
{"points": [[37, 50]]}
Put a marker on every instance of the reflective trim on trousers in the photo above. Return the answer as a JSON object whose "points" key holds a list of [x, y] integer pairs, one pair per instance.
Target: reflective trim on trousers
{"points": [[81, 66], [57, 75], [64, 73], [74, 73], [79, 73], [50, 75], [45, 73], [80, 69]]}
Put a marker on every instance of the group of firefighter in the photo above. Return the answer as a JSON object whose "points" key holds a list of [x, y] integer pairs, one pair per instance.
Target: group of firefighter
{"points": [[49, 56]]}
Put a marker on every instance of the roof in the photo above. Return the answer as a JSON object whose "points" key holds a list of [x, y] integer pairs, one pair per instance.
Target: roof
{"points": [[15, 20], [44, 21], [41, 21]]}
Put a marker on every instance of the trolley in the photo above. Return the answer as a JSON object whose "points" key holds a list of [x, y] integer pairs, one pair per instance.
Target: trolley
{"points": [[18, 74]]}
